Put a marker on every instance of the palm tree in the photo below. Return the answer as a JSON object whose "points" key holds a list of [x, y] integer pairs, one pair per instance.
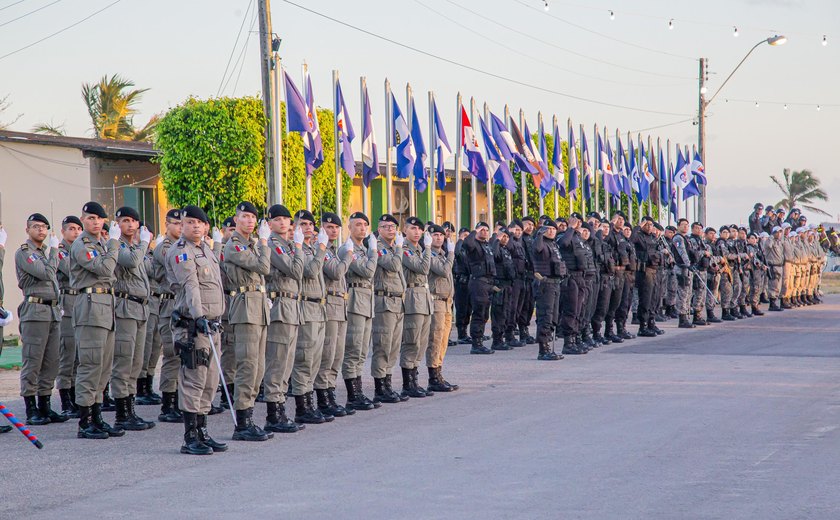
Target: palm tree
{"points": [[49, 129], [800, 189], [112, 106]]}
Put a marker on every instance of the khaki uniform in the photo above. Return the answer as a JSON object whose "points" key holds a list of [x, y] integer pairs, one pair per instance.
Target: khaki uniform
{"points": [[197, 281], [418, 305], [171, 364], [336, 263], [787, 281], [132, 294], [228, 347], [67, 358], [310, 341], [799, 267], [151, 350], [284, 290], [360, 273], [247, 261], [775, 256], [442, 288], [92, 265], [389, 288], [40, 315]]}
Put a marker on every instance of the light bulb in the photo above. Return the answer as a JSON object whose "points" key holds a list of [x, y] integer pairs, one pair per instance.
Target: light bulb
{"points": [[703, 89], [824, 41], [671, 24], [756, 104], [735, 33], [818, 108], [546, 5], [612, 15], [785, 106]]}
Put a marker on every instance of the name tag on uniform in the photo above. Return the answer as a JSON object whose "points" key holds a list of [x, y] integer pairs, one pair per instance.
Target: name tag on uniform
{"points": [[93, 253], [383, 252], [180, 258], [408, 252], [31, 258], [239, 249]]}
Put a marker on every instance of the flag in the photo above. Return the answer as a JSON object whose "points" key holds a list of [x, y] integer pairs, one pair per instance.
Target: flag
{"points": [[542, 158], [681, 177], [345, 133], [401, 140], [473, 160], [573, 165], [502, 138], [442, 149], [647, 176], [420, 178], [698, 172], [673, 198], [557, 172], [522, 155], [370, 157], [297, 118], [633, 182], [621, 178], [497, 166], [313, 148], [533, 156], [605, 167], [587, 166], [690, 190], [663, 180]]}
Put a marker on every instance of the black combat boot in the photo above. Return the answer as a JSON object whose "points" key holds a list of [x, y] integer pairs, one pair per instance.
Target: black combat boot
{"points": [[45, 410], [498, 344], [169, 409], [786, 303], [710, 316], [745, 312], [645, 332], [113, 431], [756, 311], [698, 319], [305, 413], [569, 346], [415, 381], [215, 410], [276, 420], [132, 412], [621, 330], [597, 337], [355, 399], [774, 305], [381, 393], [140, 390], [192, 444], [763, 298], [87, 428], [152, 398], [726, 315], [479, 348], [108, 404], [547, 353], [204, 435], [463, 337], [224, 402], [261, 394], [510, 339], [337, 409], [123, 418], [390, 389], [635, 319], [360, 392], [672, 312], [33, 414], [735, 314], [526, 338], [436, 382], [652, 326], [245, 429], [68, 407], [324, 405], [609, 334]]}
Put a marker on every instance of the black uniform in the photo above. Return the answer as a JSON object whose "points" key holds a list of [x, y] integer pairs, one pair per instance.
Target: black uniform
{"points": [[520, 263], [461, 276], [482, 267], [526, 309], [552, 270], [623, 310], [650, 261], [578, 258], [620, 252], [605, 263], [503, 297]]}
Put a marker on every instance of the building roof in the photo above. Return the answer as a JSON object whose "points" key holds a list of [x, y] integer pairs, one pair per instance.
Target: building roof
{"points": [[88, 146]]}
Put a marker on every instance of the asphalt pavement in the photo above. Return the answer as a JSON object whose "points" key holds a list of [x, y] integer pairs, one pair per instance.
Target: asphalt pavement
{"points": [[731, 421]]}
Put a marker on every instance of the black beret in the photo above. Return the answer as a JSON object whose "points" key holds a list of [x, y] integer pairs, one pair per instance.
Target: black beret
{"points": [[604, 221], [515, 223], [434, 228], [37, 217], [71, 219], [279, 210], [780, 210], [752, 235], [548, 221], [482, 224], [174, 214], [228, 222], [724, 228], [463, 230], [330, 218], [500, 223], [194, 212], [94, 208], [769, 208], [647, 219], [360, 215], [387, 217], [696, 224], [742, 228], [576, 215], [593, 214], [247, 207], [414, 221], [529, 218], [545, 217], [619, 213], [796, 210], [586, 226], [560, 220], [504, 230], [305, 215], [448, 226], [658, 226], [803, 217], [317, 229], [711, 230], [129, 212], [671, 228], [758, 205], [106, 226]]}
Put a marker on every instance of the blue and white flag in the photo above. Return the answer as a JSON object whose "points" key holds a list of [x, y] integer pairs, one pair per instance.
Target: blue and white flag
{"points": [[664, 196], [604, 166], [647, 176], [587, 166], [401, 140], [370, 156], [698, 172], [634, 181], [473, 160], [557, 172], [502, 138], [345, 133], [313, 148], [497, 166], [673, 198], [623, 167], [420, 178], [442, 149], [543, 151], [297, 115], [681, 175], [573, 165]]}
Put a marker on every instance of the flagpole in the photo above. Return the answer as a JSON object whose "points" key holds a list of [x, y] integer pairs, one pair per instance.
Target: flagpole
{"points": [[432, 173], [409, 104], [389, 142], [597, 158], [523, 180], [541, 130], [277, 130], [308, 177], [508, 193], [678, 191], [572, 150], [668, 177], [365, 189], [658, 183], [596, 182], [584, 156], [338, 187], [458, 181], [696, 199], [627, 173], [556, 130], [473, 180], [647, 155], [688, 166], [490, 214]]}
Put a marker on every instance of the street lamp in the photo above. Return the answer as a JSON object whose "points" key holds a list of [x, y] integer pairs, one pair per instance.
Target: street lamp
{"points": [[773, 41]]}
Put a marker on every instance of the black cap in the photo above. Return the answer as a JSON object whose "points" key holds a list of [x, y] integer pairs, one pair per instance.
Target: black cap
{"points": [[37, 217], [317, 229], [758, 205], [593, 214], [803, 217], [360, 215], [195, 212], [586, 226], [648, 219], [604, 221], [671, 228], [752, 235], [545, 217], [500, 223], [733, 226], [279, 210], [780, 210], [504, 230], [414, 221], [560, 220], [768, 208], [742, 228], [228, 222], [724, 228], [658, 226], [387, 217], [463, 230], [797, 210], [71, 219], [515, 223], [482, 224], [576, 215], [94, 208], [127, 211], [711, 230], [448, 226], [174, 214], [330, 218], [247, 207], [530, 219], [434, 228], [619, 213], [695, 223], [305, 215]]}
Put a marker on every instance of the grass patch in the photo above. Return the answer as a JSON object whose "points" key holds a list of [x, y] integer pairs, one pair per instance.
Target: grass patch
{"points": [[830, 283]]}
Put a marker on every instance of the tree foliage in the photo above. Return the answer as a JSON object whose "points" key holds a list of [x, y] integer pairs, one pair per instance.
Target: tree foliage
{"points": [[111, 104], [800, 188]]}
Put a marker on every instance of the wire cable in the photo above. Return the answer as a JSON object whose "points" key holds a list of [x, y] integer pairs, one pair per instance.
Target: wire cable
{"points": [[662, 126], [235, 44], [480, 71], [27, 14], [12, 4]]}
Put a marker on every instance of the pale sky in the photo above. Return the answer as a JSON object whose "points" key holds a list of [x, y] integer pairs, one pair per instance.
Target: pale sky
{"points": [[181, 48]]}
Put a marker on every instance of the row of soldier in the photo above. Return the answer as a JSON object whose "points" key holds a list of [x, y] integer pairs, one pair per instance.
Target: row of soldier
{"points": [[278, 306]]}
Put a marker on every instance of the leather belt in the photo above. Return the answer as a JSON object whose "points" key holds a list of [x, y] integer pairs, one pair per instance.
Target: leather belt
{"points": [[619, 268], [338, 293], [97, 290], [413, 285], [166, 296], [136, 299], [359, 285], [284, 294], [247, 288], [41, 301], [388, 293], [69, 292], [320, 301], [441, 298]]}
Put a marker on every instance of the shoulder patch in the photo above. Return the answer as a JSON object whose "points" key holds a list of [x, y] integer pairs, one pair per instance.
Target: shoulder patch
{"points": [[181, 258], [239, 248], [383, 252], [93, 253], [62, 255], [31, 258], [86, 240], [408, 252], [24, 246], [281, 250]]}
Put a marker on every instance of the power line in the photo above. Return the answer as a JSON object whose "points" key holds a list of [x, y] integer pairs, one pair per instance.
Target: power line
{"points": [[564, 49], [475, 69], [12, 4], [239, 60], [27, 14], [782, 103], [233, 50], [86, 18], [662, 126]]}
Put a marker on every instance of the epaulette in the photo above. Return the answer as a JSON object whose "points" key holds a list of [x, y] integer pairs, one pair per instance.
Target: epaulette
{"points": [[24, 246], [86, 240], [181, 243]]}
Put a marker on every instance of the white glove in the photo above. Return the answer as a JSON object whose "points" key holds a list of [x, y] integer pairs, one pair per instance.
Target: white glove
{"points": [[399, 240], [159, 239], [208, 241], [217, 235], [427, 239], [450, 245], [348, 248], [53, 241], [145, 235], [270, 303], [114, 232], [323, 239], [264, 231], [10, 318], [3, 237], [298, 236], [372, 245]]}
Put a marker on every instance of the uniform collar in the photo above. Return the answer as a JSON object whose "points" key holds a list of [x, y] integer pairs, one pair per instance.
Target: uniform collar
{"points": [[32, 245], [238, 235]]}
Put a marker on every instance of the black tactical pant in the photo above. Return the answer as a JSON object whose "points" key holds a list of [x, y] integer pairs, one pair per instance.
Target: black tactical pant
{"points": [[623, 309], [480, 291], [645, 281], [527, 309], [463, 309], [548, 308], [602, 300], [660, 287], [572, 299], [502, 301], [616, 295], [517, 298]]}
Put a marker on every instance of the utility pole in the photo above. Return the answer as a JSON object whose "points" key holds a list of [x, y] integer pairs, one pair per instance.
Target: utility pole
{"points": [[265, 72], [701, 138]]}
